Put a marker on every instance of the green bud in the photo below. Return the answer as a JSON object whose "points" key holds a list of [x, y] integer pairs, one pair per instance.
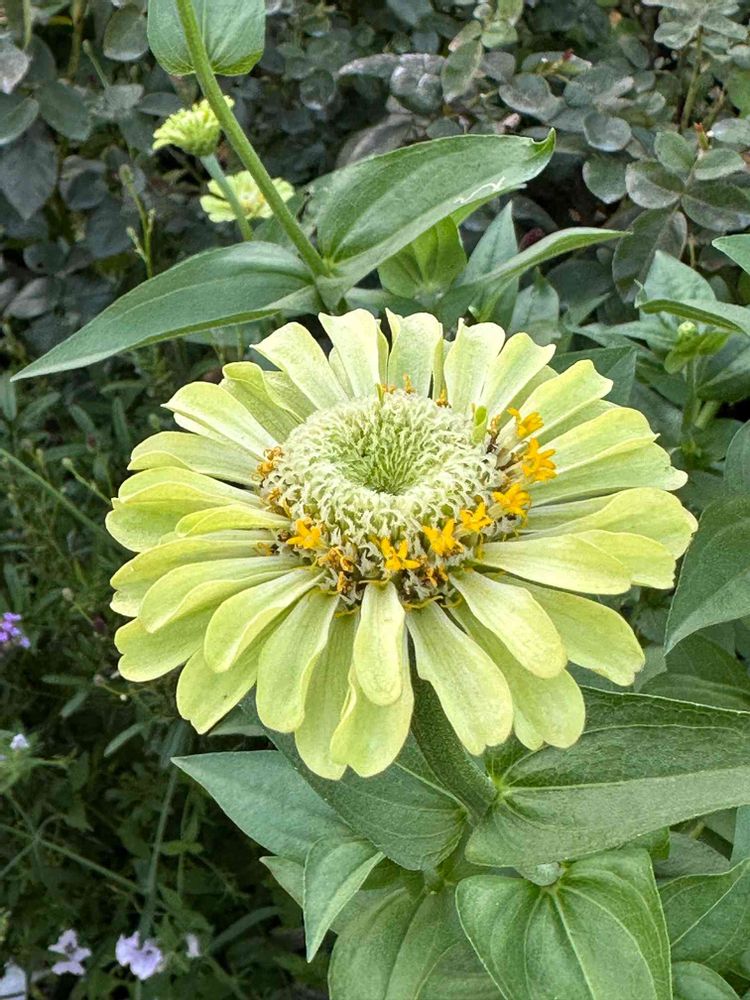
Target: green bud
{"points": [[196, 130]]}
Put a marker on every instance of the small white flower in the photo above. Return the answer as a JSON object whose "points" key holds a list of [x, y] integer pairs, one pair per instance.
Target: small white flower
{"points": [[192, 946], [143, 960], [67, 945], [19, 742]]}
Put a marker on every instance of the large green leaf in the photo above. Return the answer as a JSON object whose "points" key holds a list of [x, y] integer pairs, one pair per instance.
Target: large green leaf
{"points": [[597, 933], [334, 872], [692, 981], [407, 946], [213, 289], [403, 811], [261, 792], [737, 463], [233, 32], [714, 583], [466, 291], [378, 206], [708, 917], [701, 671], [642, 763]]}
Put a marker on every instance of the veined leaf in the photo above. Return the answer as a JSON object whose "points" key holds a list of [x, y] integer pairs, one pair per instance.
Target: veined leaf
{"points": [[598, 932], [457, 300], [233, 32], [642, 763], [402, 811], [213, 289], [723, 315], [260, 791], [714, 582], [378, 206], [708, 917], [407, 946]]}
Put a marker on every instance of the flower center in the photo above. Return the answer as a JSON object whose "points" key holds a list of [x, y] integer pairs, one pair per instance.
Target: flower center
{"points": [[396, 488]]}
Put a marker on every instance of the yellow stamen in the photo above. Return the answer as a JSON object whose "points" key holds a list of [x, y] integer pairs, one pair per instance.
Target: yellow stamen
{"points": [[537, 465], [308, 534], [514, 501], [408, 387], [442, 541], [526, 425], [475, 520], [442, 399], [266, 467], [396, 558]]}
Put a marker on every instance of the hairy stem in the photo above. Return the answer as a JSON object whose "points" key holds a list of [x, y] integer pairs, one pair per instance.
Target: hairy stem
{"points": [[240, 142], [446, 756], [213, 167], [692, 92]]}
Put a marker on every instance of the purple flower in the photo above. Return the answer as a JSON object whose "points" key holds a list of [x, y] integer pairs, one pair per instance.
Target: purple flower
{"points": [[143, 959], [13, 982], [67, 945], [19, 742], [10, 633]]}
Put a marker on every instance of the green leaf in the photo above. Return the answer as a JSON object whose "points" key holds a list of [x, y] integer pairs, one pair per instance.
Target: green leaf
{"points": [[63, 108], [459, 68], [617, 363], [669, 278], [718, 163], [606, 132], [233, 32], [403, 811], [16, 115], [125, 36], [737, 248], [723, 315], [674, 153], [213, 289], [737, 462], [605, 178], [456, 302], [700, 671], [406, 946], [376, 207], [642, 763], [691, 981], [718, 206], [334, 871], [658, 229], [269, 801], [708, 917], [597, 933], [428, 265], [651, 186], [714, 582]]}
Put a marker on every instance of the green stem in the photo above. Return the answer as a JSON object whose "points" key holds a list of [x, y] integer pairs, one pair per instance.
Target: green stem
{"points": [[707, 413], [446, 756], [213, 167], [73, 856], [692, 92], [62, 500], [153, 868], [240, 142]]}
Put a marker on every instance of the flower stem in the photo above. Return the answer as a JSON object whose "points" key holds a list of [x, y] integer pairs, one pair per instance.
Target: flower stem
{"points": [[692, 92], [240, 142], [213, 167], [446, 756]]}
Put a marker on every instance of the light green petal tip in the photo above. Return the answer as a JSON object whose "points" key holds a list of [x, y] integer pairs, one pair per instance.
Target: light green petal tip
{"points": [[472, 691], [204, 697], [379, 644], [288, 658]]}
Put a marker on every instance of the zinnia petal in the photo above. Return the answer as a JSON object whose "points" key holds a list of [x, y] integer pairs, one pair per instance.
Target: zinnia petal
{"points": [[467, 362], [301, 359], [355, 337], [416, 351], [473, 693], [378, 653]]}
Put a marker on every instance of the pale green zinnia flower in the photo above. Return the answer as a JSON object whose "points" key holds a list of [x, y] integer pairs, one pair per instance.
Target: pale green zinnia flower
{"points": [[196, 130], [309, 523], [248, 194]]}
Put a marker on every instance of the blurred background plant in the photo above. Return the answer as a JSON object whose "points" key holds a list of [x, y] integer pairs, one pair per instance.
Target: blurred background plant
{"points": [[650, 102]]}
